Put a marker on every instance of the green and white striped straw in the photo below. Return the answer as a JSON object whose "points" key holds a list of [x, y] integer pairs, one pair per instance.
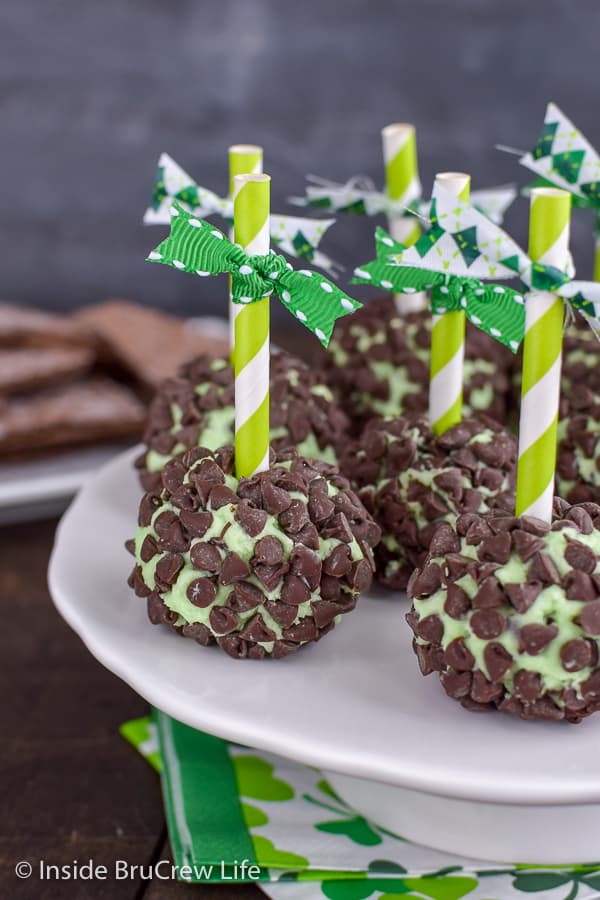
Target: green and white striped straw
{"points": [[597, 250], [549, 225], [251, 208], [448, 341], [244, 159], [402, 185]]}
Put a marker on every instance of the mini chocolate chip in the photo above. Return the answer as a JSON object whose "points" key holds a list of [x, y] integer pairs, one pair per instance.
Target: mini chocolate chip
{"points": [[576, 655], [465, 521], [234, 646], [309, 536], [523, 596], [444, 540], [198, 632], [305, 563], [207, 470], [324, 612], [201, 592], [455, 437], [477, 531], [268, 550], [270, 576], [533, 639], [294, 590], [275, 500], [361, 576], [455, 566], [168, 568], [591, 688], [221, 495], [429, 657], [139, 585], [526, 544], [320, 507], [170, 532], [130, 546], [496, 548], [158, 612], [338, 563], [487, 623], [173, 474], [489, 594], [223, 620], [244, 597], [543, 569], [472, 500], [581, 518], [580, 557], [528, 685], [148, 549], [425, 582], [458, 656], [294, 517], [148, 506], [185, 497], [251, 519], [534, 525], [196, 523], [205, 557], [338, 527], [330, 588], [457, 602], [484, 691], [589, 618], [456, 684], [430, 629], [303, 631], [498, 660], [234, 568], [282, 613], [450, 481], [257, 632]]}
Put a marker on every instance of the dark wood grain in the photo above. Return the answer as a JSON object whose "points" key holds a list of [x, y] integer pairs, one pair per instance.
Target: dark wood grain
{"points": [[70, 787]]}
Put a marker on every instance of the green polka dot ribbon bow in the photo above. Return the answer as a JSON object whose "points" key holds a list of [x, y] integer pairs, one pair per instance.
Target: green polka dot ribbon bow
{"points": [[298, 237], [197, 247], [360, 196], [455, 258]]}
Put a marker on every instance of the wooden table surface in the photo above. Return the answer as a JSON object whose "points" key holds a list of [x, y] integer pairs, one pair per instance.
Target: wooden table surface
{"points": [[70, 786]]}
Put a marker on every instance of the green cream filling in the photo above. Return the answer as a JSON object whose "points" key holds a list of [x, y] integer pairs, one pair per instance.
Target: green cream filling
{"points": [[236, 540], [550, 607]]}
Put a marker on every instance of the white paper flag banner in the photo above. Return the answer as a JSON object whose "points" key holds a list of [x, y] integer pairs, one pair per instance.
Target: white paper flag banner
{"points": [[298, 237], [462, 242], [359, 195]]}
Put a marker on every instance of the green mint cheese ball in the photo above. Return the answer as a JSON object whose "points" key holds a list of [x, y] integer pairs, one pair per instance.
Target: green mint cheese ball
{"points": [[410, 481], [507, 611], [260, 566], [195, 409]]}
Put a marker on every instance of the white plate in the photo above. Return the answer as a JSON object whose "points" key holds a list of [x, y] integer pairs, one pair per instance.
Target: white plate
{"points": [[353, 704], [43, 487]]}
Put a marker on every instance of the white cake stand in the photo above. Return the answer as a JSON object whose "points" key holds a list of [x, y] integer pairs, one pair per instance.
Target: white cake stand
{"points": [[355, 705]]}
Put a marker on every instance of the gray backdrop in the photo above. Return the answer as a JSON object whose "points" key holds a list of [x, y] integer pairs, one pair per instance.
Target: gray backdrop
{"points": [[91, 92]]}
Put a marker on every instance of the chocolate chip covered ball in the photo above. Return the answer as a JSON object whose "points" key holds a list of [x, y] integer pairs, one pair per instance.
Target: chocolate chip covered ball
{"points": [[196, 409], [578, 457], [410, 481], [378, 363], [259, 566], [507, 610]]}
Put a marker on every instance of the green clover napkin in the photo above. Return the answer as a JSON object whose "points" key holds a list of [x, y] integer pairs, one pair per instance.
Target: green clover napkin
{"points": [[226, 804]]}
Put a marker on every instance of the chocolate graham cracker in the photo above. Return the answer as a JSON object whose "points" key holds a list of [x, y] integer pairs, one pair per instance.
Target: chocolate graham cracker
{"points": [[96, 409], [151, 345], [28, 368], [24, 326]]}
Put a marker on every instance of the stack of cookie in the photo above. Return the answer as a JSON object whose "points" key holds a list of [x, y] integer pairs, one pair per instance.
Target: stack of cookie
{"points": [[69, 380]]}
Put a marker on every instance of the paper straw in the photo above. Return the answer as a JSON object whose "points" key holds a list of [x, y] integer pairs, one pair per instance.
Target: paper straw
{"points": [[244, 159], [544, 315], [251, 206], [597, 250], [448, 341], [402, 185]]}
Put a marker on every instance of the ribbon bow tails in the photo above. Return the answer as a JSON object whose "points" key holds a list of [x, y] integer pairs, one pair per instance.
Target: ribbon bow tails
{"points": [[360, 196], [564, 158], [298, 237], [195, 246]]}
